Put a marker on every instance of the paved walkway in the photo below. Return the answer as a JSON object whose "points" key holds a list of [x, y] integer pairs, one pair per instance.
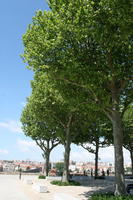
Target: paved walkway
{"points": [[11, 188]]}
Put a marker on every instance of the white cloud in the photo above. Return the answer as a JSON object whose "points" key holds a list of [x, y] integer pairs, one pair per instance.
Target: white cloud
{"points": [[105, 155], [77, 152], [12, 125], [26, 146], [83, 156], [57, 153], [3, 151]]}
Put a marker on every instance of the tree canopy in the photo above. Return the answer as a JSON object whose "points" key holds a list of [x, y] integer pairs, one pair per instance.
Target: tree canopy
{"points": [[87, 45], [41, 132]]}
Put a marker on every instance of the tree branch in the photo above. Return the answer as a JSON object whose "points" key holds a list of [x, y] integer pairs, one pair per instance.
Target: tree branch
{"points": [[81, 86]]}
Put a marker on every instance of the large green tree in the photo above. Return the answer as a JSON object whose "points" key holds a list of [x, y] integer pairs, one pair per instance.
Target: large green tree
{"points": [[88, 45], [44, 135], [49, 106]]}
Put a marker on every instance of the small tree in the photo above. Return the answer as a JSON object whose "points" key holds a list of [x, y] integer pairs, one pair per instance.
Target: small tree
{"points": [[44, 136], [48, 105], [98, 135], [60, 167]]}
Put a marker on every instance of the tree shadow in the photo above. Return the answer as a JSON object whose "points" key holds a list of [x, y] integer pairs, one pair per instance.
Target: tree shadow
{"points": [[96, 186], [97, 190]]}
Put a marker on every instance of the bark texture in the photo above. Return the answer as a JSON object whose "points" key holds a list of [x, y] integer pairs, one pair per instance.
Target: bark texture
{"points": [[65, 177], [118, 143], [47, 154], [96, 158], [131, 155], [115, 87]]}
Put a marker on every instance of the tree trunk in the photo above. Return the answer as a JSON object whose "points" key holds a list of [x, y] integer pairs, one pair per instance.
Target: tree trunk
{"points": [[131, 155], [47, 155], [118, 142], [67, 145], [65, 177], [44, 165], [96, 158]]}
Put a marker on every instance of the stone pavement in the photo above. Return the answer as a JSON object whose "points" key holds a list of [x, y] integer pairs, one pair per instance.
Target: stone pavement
{"points": [[11, 188]]}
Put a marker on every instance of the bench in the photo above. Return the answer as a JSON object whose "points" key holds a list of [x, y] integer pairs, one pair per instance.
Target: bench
{"points": [[53, 178]]}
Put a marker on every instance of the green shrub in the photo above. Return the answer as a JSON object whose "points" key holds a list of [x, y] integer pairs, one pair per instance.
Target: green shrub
{"points": [[60, 167], [60, 183], [110, 196], [41, 177]]}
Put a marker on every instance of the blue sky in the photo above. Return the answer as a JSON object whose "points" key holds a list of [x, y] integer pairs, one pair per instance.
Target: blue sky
{"points": [[15, 87]]}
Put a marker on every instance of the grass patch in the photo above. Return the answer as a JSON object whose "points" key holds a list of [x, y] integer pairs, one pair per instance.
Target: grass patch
{"points": [[110, 196], [70, 183], [41, 177]]}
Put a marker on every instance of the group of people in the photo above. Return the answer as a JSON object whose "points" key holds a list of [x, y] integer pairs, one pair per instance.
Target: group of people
{"points": [[103, 172]]}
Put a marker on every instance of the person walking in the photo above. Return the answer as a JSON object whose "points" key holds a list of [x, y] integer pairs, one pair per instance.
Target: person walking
{"points": [[20, 173], [91, 172], [107, 172], [103, 172]]}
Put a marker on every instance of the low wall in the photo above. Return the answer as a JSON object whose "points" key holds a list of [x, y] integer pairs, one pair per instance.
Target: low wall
{"points": [[54, 178]]}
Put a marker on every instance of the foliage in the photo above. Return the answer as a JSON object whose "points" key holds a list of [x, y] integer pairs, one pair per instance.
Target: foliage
{"points": [[128, 131], [60, 167], [128, 128], [128, 169], [98, 131], [49, 106], [70, 183], [85, 48], [41, 176], [44, 134], [35, 128], [128, 115], [38, 130], [53, 112], [58, 42]]}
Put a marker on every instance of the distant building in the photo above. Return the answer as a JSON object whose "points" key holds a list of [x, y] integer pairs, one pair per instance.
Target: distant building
{"points": [[8, 167], [1, 168]]}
